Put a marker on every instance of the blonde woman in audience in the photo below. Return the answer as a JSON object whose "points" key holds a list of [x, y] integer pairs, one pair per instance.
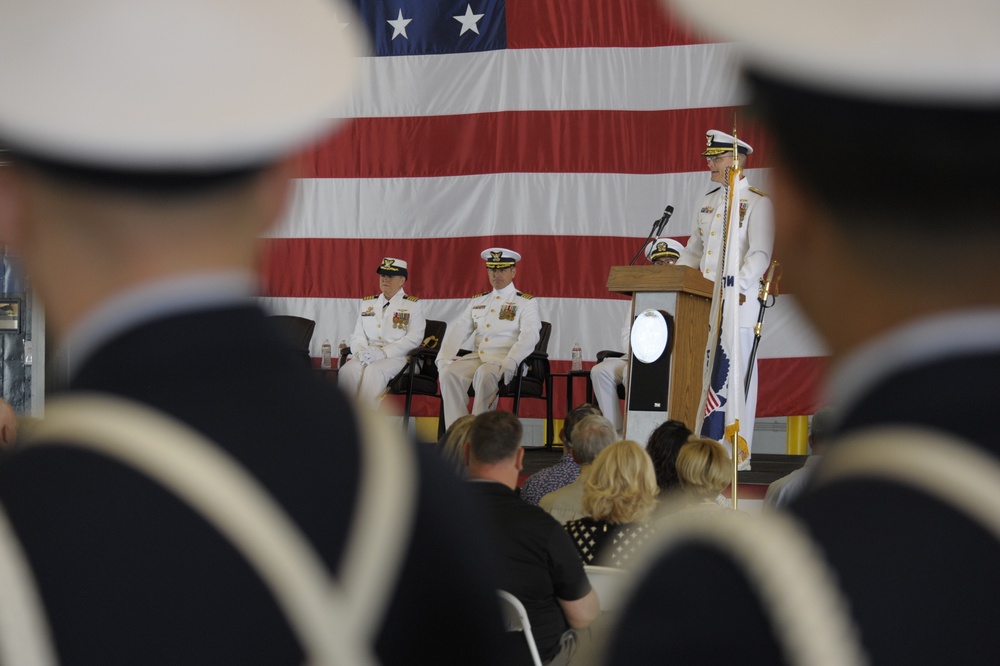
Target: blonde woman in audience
{"points": [[452, 444], [704, 469], [618, 499]]}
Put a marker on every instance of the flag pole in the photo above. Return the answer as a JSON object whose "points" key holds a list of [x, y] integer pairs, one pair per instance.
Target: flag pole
{"points": [[732, 180]]}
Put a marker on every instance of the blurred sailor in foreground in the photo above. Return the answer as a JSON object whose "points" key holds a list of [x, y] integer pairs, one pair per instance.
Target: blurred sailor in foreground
{"points": [[390, 326], [151, 143], [902, 508]]}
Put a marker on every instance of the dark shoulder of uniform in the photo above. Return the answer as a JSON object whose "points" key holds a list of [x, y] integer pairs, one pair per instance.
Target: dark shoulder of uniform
{"points": [[370, 298], [407, 297], [756, 191], [524, 295], [480, 295], [713, 191]]}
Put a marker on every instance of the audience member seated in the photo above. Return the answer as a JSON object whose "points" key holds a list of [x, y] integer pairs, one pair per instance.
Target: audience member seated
{"points": [[788, 487], [590, 436], [537, 560], [566, 470], [618, 498], [452, 444], [663, 446], [704, 469]]}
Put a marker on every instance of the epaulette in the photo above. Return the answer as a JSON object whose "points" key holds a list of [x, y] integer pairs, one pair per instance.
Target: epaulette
{"points": [[485, 293], [756, 191], [714, 191], [407, 297], [524, 295], [370, 298]]}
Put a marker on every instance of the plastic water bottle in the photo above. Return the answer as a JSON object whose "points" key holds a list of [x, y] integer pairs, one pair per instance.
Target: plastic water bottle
{"points": [[325, 352], [576, 355]]}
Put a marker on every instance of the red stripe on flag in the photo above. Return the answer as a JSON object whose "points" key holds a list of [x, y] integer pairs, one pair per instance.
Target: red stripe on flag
{"points": [[594, 23], [638, 142], [790, 386], [557, 266]]}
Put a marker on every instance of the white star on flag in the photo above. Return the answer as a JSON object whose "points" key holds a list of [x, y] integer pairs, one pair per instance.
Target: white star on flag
{"points": [[469, 21], [399, 25]]}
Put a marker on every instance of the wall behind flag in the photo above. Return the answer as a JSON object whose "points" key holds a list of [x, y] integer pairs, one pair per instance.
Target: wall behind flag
{"points": [[558, 129]]}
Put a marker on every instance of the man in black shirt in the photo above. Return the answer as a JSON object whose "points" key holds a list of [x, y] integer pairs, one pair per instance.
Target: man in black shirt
{"points": [[538, 562]]}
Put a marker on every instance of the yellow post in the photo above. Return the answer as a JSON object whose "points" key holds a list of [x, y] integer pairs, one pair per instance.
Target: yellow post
{"points": [[797, 436]]}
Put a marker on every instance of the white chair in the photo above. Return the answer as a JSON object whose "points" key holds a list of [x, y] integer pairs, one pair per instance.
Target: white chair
{"points": [[609, 582], [515, 618]]}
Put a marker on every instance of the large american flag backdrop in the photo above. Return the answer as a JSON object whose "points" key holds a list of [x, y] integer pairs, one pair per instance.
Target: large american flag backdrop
{"points": [[558, 129]]}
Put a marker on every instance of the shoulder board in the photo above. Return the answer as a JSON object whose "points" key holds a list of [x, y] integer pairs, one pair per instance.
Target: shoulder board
{"points": [[370, 298], [756, 191], [485, 293], [524, 295], [713, 191], [410, 298]]}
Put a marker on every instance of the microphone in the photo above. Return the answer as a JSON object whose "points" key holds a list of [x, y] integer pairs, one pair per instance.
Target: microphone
{"points": [[655, 231], [662, 222]]}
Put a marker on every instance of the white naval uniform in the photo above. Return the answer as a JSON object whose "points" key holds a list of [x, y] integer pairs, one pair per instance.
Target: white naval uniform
{"points": [[395, 326], [505, 323], [606, 377], [756, 240]]}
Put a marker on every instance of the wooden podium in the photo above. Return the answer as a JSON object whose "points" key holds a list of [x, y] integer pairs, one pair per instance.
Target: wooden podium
{"points": [[686, 296]]}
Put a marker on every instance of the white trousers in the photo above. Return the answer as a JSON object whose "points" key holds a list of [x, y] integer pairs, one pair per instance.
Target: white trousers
{"points": [[366, 383], [606, 376], [458, 376]]}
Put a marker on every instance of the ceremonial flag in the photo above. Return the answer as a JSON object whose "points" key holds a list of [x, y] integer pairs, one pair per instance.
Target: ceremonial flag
{"points": [[559, 130], [725, 400]]}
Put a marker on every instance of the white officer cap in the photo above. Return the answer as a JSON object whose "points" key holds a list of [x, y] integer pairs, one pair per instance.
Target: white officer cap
{"points": [[664, 247], [932, 52], [718, 143], [172, 84], [500, 257], [392, 267]]}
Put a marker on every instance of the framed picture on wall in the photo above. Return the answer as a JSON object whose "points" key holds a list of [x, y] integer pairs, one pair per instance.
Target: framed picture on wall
{"points": [[10, 314]]}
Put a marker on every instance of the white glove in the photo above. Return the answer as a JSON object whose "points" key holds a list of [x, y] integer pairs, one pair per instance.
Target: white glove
{"points": [[363, 356], [441, 362], [375, 354], [509, 367]]}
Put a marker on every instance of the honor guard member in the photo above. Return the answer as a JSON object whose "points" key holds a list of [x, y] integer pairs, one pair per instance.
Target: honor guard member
{"points": [[610, 373], [755, 238], [195, 495], [390, 326], [505, 326], [898, 540]]}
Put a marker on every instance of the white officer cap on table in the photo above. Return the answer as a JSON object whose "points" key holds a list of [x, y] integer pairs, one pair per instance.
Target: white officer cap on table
{"points": [[172, 84], [500, 257], [392, 267], [718, 143], [932, 52], [664, 247]]}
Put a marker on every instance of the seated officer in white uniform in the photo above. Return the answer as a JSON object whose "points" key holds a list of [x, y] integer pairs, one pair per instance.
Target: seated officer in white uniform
{"points": [[612, 371], [506, 326], [390, 326]]}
